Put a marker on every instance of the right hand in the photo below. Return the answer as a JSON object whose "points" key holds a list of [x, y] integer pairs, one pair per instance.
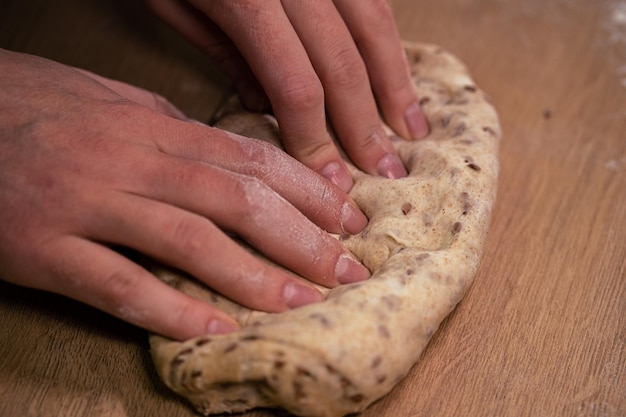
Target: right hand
{"points": [[88, 163], [313, 61]]}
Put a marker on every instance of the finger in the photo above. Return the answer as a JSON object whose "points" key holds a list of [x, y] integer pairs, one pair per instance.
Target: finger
{"points": [[96, 275], [193, 244], [275, 54], [206, 36], [247, 207], [373, 28], [349, 98], [325, 204]]}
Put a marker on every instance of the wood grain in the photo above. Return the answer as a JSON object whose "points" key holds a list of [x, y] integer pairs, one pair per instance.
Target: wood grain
{"points": [[543, 329]]}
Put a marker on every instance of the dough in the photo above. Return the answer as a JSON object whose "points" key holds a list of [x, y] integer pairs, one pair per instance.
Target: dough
{"points": [[423, 244]]}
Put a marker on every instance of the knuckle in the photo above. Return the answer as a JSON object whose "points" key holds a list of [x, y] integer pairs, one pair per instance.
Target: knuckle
{"points": [[185, 312], [328, 195], [186, 176], [379, 13], [267, 294], [119, 286], [348, 71], [301, 93], [371, 142], [251, 196], [327, 202], [189, 236], [263, 160], [312, 150], [400, 87], [381, 8]]}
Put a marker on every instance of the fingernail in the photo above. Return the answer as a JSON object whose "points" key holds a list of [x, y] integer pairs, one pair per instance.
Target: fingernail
{"points": [[390, 166], [217, 326], [416, 122], [338, 175], [296, 295], [352, 219], [348, 270]]}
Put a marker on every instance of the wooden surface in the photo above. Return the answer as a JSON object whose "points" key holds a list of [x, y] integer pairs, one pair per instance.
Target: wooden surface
{"points": [[542, 332]]}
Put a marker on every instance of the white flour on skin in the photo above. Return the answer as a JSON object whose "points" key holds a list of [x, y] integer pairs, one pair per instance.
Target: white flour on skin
{"points": [[269, 163], [615, 164], [614, 23], [281, 222]]}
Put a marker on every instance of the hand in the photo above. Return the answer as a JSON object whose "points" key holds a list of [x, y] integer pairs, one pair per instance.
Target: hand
{"points": [[308, 54], [88, 163]]}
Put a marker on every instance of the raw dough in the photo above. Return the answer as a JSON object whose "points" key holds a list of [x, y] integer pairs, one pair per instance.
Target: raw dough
{"points": [[423, 243]]}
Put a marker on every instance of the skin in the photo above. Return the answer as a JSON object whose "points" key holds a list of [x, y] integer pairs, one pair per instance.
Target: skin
{"points": [[75, 186], [339, 59]]}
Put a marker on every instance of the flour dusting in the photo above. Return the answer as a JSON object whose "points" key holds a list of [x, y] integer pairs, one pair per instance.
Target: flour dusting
{"points": [[615, 26], [615, 164]]}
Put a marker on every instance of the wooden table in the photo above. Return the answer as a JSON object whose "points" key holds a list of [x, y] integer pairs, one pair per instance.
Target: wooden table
{"points": [[542, 332]]}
